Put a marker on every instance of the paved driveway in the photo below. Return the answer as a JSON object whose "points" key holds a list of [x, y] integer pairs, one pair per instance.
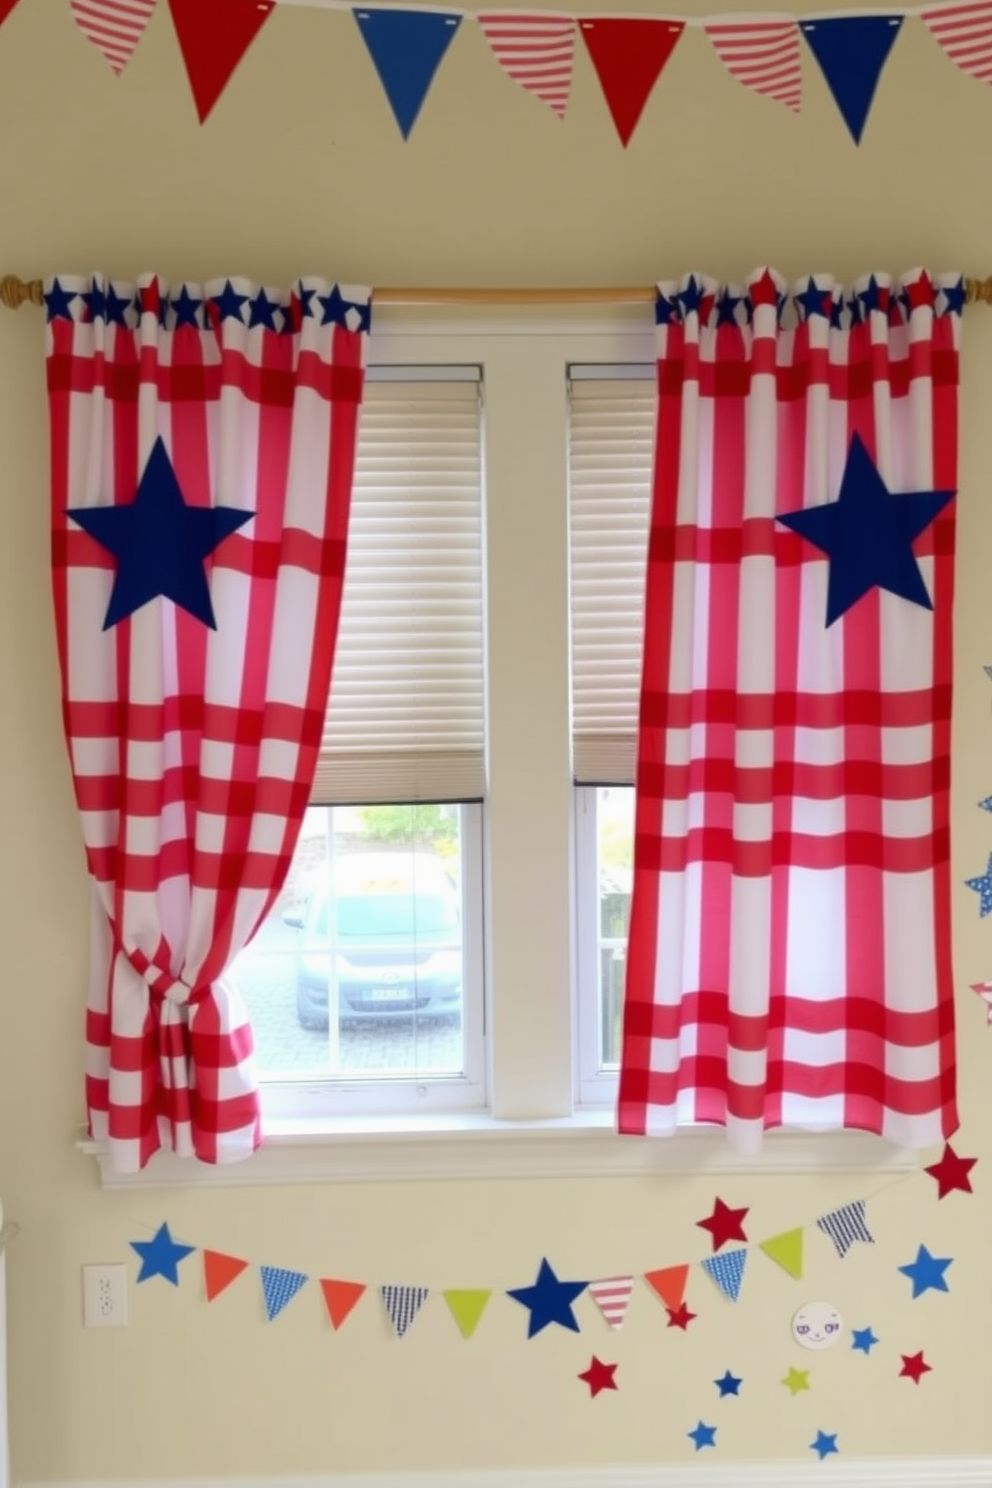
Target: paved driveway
{"points": [[264, 973]]}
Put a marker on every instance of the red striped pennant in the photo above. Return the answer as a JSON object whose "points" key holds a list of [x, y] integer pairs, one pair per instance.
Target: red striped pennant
{"points": [[763, 55], [965, 34], [537, 50], [611, 1296], [113, 26]]}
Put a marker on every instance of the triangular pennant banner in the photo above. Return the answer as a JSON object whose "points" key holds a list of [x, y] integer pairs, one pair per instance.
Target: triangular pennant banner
{"points": [[279, 1287], [628, 53], [402, 1303], [536, 49], [340, 1297], [763, 55], [6, 6], [965, 34], [727, 1270], [113, 26], [851, 51], [786, 1250], [846, 1225], [213, 38], [219, 1271], [467, 1308], [669, 1284], [611, 1295], [406, 47]]}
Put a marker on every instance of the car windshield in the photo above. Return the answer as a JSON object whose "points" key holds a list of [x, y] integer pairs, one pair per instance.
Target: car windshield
{"points": [[372, 916]]}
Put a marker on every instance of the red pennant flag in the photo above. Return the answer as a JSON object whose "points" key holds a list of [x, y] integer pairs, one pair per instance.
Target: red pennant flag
{"points": [[669, 1283], [339, 1298], [219, 1271], [213, 38], [6, 6], [628, 54]]}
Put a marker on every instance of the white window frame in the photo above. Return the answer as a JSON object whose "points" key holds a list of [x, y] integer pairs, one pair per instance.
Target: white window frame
{"points": [[595, 1087], [533, 1127]]}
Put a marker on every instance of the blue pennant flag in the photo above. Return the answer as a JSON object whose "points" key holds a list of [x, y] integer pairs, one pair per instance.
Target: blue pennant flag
{"points": [[279, 1287], [846, 1225], [406, 47], [851, 51], [727, 1271]]}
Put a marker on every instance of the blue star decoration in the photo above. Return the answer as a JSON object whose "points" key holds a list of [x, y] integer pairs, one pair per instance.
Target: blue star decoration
{"points": [[868, 535], [115, 308], [345, 313], [982, 886], [549, 1300], [726, 309], [863, 1339], [262, 311], [95, 301], [824, 1444], [664, 309], [57, 302], [187, 309], [729, 1384], [703, 1436], [227, 305], [159, 542], [161, 1256], [927, 1272], [814, 300]]}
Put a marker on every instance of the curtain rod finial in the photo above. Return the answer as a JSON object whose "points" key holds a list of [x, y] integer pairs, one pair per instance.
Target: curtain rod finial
{"points": [[978, 291], [14, 292]]}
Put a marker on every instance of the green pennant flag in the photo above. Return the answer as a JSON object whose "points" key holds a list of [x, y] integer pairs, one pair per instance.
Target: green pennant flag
{"points": [[467, 1308], [786, 1250]]}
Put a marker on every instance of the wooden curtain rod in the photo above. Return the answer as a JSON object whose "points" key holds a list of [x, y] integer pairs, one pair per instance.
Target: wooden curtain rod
{"points": [[15, 292]]}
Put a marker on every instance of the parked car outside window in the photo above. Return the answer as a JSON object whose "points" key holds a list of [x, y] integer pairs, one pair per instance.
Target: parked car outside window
{"points": [[391, 948]]}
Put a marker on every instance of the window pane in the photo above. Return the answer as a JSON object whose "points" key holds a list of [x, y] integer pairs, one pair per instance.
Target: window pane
{"points": [[357, 972], [614, 874]]}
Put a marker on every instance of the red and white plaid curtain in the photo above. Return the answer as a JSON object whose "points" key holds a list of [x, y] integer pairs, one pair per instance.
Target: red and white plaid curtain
{"points": [[193, 748], [789, 959]]}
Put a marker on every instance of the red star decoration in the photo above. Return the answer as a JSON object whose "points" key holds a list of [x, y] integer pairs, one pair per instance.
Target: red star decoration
{"points": [[914, 1367], [724, 1224], [920, 292], [599, 1376], [764, 291], [951, 1172], [150, 298], [679, 1317]]}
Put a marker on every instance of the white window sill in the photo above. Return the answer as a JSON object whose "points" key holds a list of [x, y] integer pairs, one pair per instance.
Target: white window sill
{"points": [[439, 1147]]}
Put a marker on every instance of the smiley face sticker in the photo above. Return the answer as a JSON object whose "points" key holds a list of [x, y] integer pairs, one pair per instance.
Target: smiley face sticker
{"points": [[817, 1325]]}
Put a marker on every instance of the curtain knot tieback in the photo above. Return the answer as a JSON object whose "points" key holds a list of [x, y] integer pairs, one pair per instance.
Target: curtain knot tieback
{"points": [[163, 985]]}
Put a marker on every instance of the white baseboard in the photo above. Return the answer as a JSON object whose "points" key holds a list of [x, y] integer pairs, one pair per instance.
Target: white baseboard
{"points": [[895, 1472]]}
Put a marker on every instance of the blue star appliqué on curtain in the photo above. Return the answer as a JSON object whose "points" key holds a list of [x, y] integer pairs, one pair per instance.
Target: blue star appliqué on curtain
{"points": [[160, 543], [868, 535]]}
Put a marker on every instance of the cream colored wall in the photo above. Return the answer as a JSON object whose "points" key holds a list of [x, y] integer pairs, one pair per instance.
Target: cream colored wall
{"points": [[302, 170]]}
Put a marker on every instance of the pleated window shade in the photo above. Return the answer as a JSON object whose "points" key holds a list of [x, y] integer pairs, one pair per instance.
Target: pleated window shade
{"points": [[405, 718], [611, 449]]}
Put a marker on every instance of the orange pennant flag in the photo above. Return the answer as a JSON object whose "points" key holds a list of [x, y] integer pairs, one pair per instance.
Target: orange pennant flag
{"points": [[219, 1271], [339, 1298], [669, 1283]]}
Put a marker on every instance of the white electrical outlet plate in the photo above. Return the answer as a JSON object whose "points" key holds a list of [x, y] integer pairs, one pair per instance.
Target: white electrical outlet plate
{"points": [[105, 1296]]}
